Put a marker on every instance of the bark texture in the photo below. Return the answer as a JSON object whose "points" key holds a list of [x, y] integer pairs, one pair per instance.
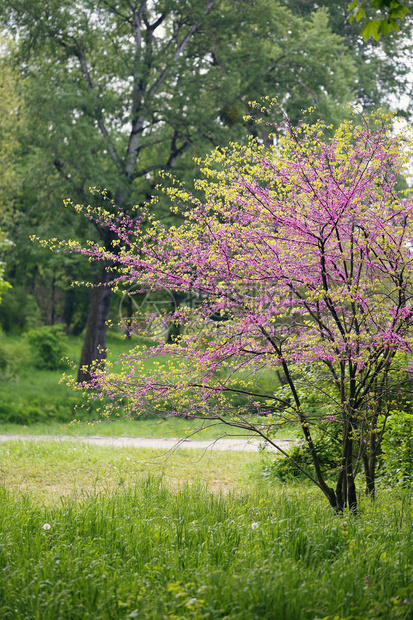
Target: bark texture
{"points": [[93, 350]]}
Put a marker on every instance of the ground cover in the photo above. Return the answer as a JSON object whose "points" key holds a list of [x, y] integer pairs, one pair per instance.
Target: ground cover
{"points": [[49, 471], [93, 532], [150, 552], [29, 394]]}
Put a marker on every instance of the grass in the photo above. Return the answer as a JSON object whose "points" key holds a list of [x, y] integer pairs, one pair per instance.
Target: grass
{"points": [[138, 534], [30, 395], [98, 533], [154, 427], [152, 553], [49, 471]]}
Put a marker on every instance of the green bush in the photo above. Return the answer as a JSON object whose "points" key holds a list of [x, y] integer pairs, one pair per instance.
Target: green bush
{"points": [[397, 449], [4, 358], [12, 357], [48, 346], [21, 413], [58, 409], [283, 469], [18, 311]]}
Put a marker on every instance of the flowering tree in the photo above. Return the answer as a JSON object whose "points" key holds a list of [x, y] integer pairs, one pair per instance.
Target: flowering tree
{"points": [[300, 257]]}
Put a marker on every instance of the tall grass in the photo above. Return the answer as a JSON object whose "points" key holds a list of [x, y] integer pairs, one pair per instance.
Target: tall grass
{"points": [[149, 553]]}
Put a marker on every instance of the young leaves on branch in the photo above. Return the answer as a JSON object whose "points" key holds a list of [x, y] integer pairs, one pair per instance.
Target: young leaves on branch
{"points": [[391, 13]]}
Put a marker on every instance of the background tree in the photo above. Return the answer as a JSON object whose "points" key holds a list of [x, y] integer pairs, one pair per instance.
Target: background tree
{"points": [[10, 115], [383, 67], [4, 285]]}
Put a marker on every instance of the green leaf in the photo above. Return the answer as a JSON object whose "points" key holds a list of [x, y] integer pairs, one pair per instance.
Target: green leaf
{"points": [[388, 25], [398, 14], [385, 27], [361, 14], [397, 9], [371, 29]]}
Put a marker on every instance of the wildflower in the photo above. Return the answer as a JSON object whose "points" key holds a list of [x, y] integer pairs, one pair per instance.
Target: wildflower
{"points": [[254, 526], [47, 526]]}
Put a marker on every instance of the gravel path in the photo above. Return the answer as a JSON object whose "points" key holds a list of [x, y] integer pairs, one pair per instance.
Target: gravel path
{"points": [[237, 445]]}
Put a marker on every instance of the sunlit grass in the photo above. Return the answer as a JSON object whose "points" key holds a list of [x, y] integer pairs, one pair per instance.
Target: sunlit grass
{"points": [[50, 470], [151, 553]]}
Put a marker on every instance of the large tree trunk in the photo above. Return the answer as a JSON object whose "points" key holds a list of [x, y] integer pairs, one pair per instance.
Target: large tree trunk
{"points": [[94, 343], [94, 351]]}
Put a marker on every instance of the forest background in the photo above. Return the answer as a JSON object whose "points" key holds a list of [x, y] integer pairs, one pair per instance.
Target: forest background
{"points": [[107, 94]]}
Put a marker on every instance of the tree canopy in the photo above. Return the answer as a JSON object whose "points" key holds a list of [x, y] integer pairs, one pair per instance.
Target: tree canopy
{"points": [[116, 91], [10, 112]]}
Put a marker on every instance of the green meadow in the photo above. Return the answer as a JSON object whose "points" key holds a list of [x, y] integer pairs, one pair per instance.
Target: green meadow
{"points": [[94, 532], [37, 401]]}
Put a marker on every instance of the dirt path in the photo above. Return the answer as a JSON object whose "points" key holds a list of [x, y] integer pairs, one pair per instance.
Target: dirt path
{"points": [[235, 444]]}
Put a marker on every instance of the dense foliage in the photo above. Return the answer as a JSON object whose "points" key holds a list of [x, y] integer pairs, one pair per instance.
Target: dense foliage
{"points": [[392, 12], [48, 346]]}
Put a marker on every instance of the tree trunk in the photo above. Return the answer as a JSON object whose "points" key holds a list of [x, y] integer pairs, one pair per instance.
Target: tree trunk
{"points": [[370, 467], [94, 351], [346, 489], [94, 344], [351, 486]]}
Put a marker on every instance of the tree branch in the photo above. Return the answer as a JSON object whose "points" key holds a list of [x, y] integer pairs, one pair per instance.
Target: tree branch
{"points": [[101, 124]]}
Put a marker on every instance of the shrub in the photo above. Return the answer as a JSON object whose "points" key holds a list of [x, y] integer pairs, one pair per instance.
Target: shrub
{"points": [[12, 357], [283, 469], [4, 358], [397, 447], [18, 311], [48, 345], [27, 410]]}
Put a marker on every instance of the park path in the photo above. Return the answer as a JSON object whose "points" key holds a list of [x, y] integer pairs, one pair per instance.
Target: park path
{"points": [[235, 444]]}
